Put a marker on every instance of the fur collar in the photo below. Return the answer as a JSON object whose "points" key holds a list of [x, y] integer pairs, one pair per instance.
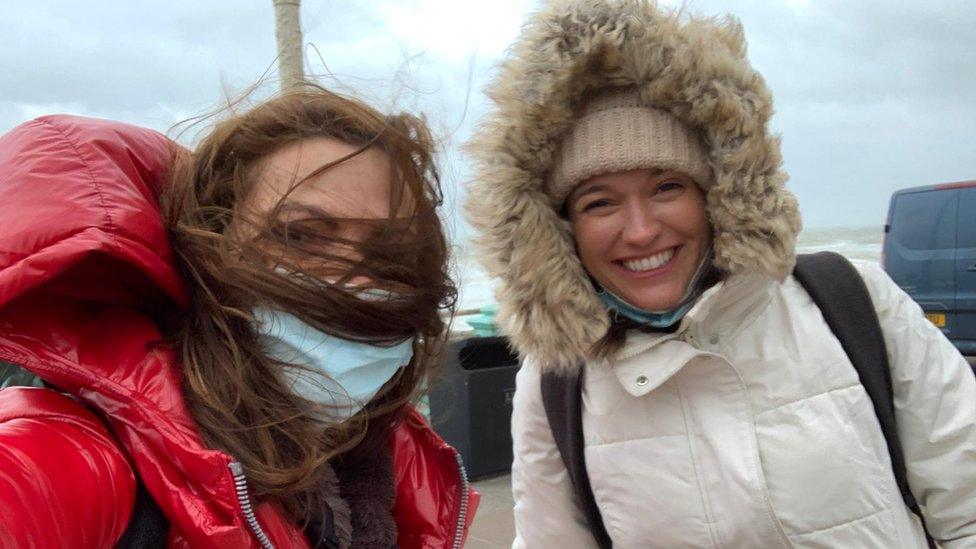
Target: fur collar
{"points": [[360, 490], [368, 486], [693, 67]]}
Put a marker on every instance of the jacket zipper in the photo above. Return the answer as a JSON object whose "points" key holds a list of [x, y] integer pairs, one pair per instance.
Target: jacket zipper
{"points": [[240, 486], [621, 356], [463, 506]]}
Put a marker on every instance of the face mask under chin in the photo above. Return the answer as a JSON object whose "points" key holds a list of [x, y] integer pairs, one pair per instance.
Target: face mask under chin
{"points": [[665, 318]]}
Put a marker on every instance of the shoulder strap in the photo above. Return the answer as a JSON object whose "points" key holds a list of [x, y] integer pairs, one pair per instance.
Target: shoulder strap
{"points": [[839, 291], [148, 527], [562, 399]]}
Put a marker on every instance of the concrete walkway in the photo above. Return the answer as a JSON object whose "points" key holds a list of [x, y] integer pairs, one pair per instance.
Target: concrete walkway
{"points": [[494, 526]]}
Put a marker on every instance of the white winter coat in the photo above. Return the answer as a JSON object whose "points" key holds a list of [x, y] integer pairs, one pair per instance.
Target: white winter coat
{"points": [[748, 428]]}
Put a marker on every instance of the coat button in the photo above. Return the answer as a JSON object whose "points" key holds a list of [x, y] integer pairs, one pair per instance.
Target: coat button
{"points": [[641, 381], [713, 340]]}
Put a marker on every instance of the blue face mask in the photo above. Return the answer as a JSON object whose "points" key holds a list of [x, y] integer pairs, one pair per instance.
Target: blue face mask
{"points": [[657, 319], [340, 374], [660, 319]]}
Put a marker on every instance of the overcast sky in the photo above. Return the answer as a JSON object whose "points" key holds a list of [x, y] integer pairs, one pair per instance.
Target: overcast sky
{"points": [[871, 95]]}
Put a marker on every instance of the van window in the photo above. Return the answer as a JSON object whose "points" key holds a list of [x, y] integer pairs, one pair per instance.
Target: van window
{"points": [[925, 220], [967, 219]]}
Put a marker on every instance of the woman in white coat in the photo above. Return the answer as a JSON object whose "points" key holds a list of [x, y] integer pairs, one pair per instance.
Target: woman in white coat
{"points": [[630, 201]]}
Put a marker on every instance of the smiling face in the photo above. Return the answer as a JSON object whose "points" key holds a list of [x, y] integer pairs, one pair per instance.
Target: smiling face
{"points": [[640, 234]]}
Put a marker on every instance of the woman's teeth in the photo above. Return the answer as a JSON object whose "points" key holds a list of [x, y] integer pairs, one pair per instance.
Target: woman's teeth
{"points": [[650, 263]]}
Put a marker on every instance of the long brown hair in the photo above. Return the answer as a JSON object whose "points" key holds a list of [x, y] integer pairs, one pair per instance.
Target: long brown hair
{"points": [[233, 388]]}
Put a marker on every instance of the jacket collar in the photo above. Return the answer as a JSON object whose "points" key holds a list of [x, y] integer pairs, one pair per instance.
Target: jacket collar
{"points": [[647, 360]]}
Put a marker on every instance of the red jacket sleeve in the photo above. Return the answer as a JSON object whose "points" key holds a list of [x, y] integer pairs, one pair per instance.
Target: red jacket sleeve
{"points": [[63, 480]]}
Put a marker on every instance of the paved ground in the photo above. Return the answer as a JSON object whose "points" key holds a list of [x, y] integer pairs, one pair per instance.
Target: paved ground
{"points": [[493, 526]]}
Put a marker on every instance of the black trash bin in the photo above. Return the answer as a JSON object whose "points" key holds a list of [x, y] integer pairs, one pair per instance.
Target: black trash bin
{"points": [[471, 403]]}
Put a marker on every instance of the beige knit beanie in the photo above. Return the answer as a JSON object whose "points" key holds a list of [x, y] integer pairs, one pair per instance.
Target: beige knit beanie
{"points": [[616, 131]]}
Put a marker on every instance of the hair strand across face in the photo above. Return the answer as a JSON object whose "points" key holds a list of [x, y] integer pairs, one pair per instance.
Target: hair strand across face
{"points": [[236, 259]]}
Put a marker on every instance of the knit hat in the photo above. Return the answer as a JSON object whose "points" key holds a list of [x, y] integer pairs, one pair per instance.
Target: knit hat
{"points": [[617, 131]]}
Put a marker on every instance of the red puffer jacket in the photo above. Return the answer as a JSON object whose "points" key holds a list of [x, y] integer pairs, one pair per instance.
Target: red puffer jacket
{"points": [[84, 267]]}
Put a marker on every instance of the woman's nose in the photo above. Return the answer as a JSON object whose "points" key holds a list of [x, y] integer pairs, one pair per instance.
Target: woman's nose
{"points": [[640, 225]]}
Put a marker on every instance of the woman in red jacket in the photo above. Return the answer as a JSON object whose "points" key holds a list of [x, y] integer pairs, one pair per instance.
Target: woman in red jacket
{"points": [[236, 372]]}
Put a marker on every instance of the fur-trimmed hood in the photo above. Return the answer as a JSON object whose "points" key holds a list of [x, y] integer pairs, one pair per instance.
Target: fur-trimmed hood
{"points": [[693, 67]]}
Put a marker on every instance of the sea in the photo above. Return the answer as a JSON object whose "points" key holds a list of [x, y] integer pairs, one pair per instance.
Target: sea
{"points": [[863, 243]]}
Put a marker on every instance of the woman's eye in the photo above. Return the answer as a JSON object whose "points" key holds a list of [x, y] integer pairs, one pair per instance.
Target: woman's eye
{"points": [[302, 238], [595, 204], [670, 186]]}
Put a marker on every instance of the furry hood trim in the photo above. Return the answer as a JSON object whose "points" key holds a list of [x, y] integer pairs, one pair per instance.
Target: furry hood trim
{"points": [[695, 68]]}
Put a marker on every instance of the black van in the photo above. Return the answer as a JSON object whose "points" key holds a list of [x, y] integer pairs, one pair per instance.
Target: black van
{"points": [[930, 251]]}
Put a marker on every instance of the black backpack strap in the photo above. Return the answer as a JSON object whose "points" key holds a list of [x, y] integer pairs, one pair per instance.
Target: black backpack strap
{"points": [[148, 527], [562, 399], [839, 291]]}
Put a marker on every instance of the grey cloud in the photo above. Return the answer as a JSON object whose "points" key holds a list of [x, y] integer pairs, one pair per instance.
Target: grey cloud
{"points": [[871, 95]]}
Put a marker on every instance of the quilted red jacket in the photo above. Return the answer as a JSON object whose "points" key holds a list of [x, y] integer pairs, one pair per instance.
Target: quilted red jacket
{"points": [[84, 268]]}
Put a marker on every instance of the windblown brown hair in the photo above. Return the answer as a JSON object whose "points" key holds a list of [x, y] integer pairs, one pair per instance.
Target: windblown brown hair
{"points": [[235, 260]]}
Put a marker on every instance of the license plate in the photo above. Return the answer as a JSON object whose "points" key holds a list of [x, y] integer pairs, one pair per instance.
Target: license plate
{"points": [[939, 319]]}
